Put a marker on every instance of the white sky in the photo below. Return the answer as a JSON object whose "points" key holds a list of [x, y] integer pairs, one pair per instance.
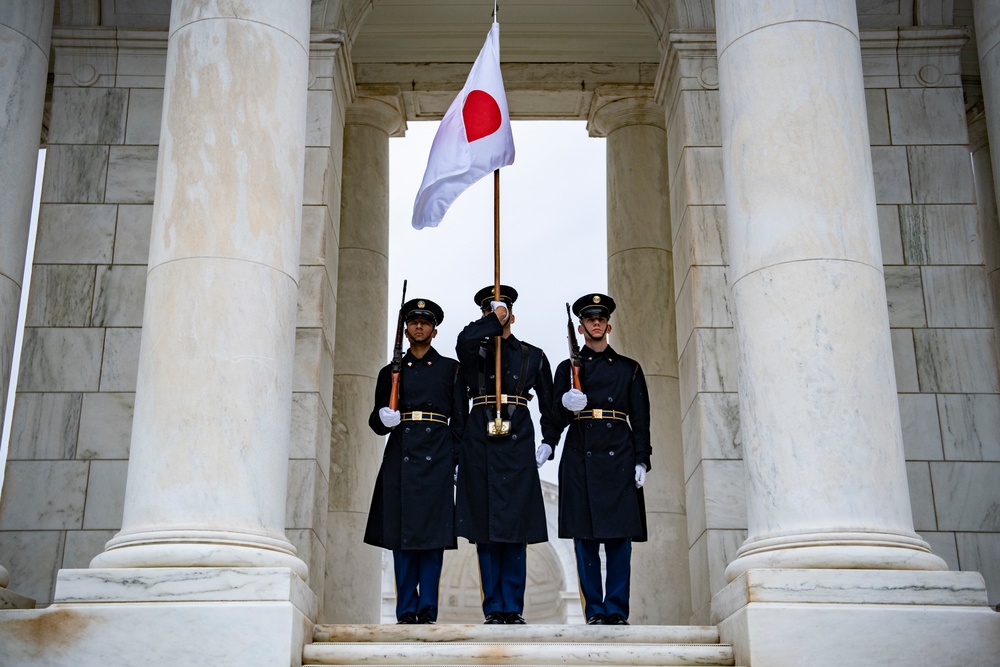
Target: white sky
{"points": [[553, 242]]}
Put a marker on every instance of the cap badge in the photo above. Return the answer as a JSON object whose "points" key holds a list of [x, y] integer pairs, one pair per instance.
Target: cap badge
{"points": [[597, 299], [420, 304]]}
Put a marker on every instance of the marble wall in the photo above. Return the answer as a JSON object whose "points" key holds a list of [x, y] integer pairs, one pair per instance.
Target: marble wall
{"points": [[941, 312], [66, 471]]}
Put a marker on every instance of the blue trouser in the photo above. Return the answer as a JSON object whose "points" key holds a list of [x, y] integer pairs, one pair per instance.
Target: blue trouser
{"points": [[418, 573], [611, 598], [502, 571]]}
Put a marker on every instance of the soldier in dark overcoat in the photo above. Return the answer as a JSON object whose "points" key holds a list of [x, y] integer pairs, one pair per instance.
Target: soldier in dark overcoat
{"points": [[604, 462], [412, 510], [499, 504]]}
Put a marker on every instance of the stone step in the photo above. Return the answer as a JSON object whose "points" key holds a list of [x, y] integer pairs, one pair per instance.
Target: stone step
{"points": [[368, 653], [632, 634], [529, 645]]}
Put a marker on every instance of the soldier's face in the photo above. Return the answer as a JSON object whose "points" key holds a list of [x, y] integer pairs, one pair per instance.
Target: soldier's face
{"points": [[420, 331], [595, 327]]}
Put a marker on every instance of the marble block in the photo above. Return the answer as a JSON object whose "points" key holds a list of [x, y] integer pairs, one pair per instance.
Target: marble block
{"points": [[711, 430], [940, 234], [60, 359], [878, 116], [119, 294], [927, 116], [44, 495], [957, 296], [892, 179], [131, 175], [75, 233], [75, 174], [145, 107], [967, 496], [941, 174], [88, 115], [105, 495], [970, 426], [61, 295], [921, 428], [132, 234], [862, 618], [889, 235], [105, 425], [956, 360], [905, 296], [120, 364], [904, 360], [246, 633], [44, 426]]}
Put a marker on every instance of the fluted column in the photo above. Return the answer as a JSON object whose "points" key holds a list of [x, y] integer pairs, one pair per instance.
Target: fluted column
{"points": [[640, 278], [820, 422], [353, 575], [209, 452], [25, 33]]}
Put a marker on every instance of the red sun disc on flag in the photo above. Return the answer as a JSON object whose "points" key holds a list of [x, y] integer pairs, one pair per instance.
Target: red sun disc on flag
{"points": [[481, 115]]}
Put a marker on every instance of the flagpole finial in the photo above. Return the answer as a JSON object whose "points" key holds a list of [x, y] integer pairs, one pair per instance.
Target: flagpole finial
{"points": [[495, 10]]}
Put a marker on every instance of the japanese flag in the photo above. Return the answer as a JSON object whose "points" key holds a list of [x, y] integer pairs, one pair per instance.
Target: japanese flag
{"points": [[473, 140]]}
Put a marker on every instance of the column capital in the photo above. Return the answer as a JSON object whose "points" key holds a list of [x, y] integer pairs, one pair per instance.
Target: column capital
{"points": [[380, 107], [616, 106], [689, 62]]}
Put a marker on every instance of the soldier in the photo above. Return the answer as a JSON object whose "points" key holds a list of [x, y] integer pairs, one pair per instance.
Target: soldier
{"points": [[604, 462], [412, 510], [499, 503]]}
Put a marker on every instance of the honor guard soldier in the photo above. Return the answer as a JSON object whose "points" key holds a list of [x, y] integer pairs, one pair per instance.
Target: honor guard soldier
{"points": [[604, 461], [499, 503], [412, 510]]}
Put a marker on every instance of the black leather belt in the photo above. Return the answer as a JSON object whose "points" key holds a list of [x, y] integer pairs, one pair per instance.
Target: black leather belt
{"points": [[421, 416], [505, 399], [602, 414]]}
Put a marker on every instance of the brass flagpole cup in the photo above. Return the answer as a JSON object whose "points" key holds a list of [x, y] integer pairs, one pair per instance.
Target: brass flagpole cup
{"points": [[498, 427]]}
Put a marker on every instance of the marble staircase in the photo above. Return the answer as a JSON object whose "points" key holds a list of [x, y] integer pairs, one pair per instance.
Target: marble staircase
{"points": [[396, 645]]}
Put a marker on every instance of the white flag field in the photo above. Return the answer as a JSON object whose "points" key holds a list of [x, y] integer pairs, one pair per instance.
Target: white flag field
{"points": [[474, 138]]}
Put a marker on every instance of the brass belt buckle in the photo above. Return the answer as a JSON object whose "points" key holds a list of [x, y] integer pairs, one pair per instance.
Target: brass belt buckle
{"points": [[497, 427], [598, 413], [417, 415]]}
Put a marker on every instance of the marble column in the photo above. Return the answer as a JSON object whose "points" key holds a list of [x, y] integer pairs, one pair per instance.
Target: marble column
{"points": [[986, 166], [25, 33], [640, 278], [353, 573], [820, 421], [210, 438]]}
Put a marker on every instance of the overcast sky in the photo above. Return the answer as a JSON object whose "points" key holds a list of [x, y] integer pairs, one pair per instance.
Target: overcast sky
{"points": [[553, 243]]}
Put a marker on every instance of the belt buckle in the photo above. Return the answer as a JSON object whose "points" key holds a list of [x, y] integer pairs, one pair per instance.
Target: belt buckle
{"points": [[598, 413], [503, 399], [418, 415]]}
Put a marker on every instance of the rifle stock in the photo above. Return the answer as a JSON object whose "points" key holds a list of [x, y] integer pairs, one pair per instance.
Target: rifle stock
{"points": [[574, 350], [397, 355]]}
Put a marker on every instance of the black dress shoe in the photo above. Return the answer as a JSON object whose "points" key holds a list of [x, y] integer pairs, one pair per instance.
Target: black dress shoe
{"points": [[513, 618], [425, 619], [615, 619], [494, 618], [409, 618], [596, 619]]}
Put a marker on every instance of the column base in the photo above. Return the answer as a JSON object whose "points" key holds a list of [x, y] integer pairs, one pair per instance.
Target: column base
{"points": [[260, 617], [189, 548], [11, 600], [862, 618], [847, 551]]}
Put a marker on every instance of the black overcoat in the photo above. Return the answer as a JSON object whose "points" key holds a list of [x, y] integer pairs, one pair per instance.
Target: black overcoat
{"points": [[498, 495], [597, 494], [413, 503]]}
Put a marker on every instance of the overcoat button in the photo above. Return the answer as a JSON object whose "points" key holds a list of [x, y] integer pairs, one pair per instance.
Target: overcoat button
{"points": [[428, 458], [611, 399], [513, 437], [608, 424], [407, 429], [588, 455], [515, 376], [427, 430], [611, 453], [406, 459]]}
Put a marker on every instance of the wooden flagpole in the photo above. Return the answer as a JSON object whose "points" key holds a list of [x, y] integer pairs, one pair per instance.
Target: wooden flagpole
{"points": [[499, 427]]}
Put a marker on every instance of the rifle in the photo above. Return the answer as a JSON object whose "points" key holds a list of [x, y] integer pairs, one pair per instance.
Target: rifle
{"points": [[397, 355], [574, 350]]}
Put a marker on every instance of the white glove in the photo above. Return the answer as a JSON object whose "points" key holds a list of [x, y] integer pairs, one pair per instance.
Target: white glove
{"points": [[542, 454], [574, 400], [640, 475], [500, 304], [389, 417]]}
